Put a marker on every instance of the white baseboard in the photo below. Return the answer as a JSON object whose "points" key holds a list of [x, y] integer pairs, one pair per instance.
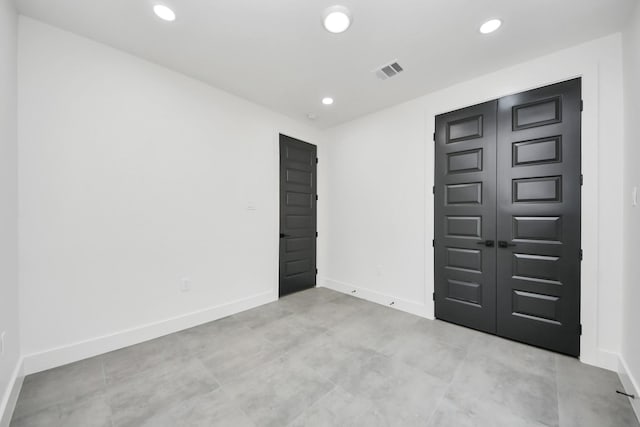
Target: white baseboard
{"points": [[398, 303], [601, 359], [630, 384], [41, 361], [11, 394]]}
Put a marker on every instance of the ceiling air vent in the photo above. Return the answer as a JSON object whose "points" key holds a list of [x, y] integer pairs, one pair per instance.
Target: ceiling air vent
{"points": [[387, 71]]}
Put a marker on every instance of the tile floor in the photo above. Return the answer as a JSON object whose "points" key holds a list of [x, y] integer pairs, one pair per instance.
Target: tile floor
{"points": [[320, 358]]}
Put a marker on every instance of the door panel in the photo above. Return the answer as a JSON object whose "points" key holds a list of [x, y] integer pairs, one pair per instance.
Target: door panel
{"points": [[297, 215], [509, 171], [465, 217], [538, 216]]}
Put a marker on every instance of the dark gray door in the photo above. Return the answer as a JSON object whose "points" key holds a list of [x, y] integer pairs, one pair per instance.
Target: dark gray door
{"points": [[539, 193], [509, 171], [297, 215], [465, 226]]}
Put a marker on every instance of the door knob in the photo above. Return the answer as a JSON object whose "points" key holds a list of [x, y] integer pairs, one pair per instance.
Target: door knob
{"points": [[488, 243], [505, 244]]}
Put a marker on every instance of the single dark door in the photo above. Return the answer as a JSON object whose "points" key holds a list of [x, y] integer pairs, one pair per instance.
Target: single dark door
{"points": [[297, 215], [465, 226], [539, 193]]}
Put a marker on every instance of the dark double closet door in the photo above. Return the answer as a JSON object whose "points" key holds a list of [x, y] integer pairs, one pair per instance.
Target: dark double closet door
{"points": [[507, 217]]}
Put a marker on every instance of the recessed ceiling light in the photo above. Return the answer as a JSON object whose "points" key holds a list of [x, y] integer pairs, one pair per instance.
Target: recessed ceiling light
{"points": [[336, 19], [164, 12], [327, 101], [490, 26]]}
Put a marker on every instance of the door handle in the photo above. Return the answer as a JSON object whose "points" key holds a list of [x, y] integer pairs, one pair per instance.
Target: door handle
{"points": [[505, 244], [282, 235], [488, 243]]}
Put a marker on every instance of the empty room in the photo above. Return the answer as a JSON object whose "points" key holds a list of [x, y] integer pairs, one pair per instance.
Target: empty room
{"points": [[252, 213]]}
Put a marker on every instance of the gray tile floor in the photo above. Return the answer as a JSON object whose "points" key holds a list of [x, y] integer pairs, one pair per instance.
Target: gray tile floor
{"points": [[320, 358]]}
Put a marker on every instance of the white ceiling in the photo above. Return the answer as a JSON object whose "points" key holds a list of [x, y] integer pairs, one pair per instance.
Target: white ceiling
{"points": [[276, 52]]}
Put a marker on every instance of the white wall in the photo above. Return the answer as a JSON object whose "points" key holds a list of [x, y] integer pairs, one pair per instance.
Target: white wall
{"points": [[8, 204], [630, 366], [131, 178], [372, 217], [377, 175]]}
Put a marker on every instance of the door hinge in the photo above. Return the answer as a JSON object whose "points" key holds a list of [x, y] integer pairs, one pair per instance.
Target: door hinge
{"points": [[434, 137], [316, 271], [433, 189], [316, 197], [434, 296], [580, 329], [316, 234], [316, 160], [433, 243], [581, 179], [581, 105], [581, 254]]}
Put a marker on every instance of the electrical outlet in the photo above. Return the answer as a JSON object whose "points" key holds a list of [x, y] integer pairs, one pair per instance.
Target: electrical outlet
{"points": [[2, 337], [185, 284]]}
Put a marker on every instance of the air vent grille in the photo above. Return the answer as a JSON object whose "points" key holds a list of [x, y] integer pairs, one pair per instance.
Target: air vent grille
{"points": [[389, 70]]}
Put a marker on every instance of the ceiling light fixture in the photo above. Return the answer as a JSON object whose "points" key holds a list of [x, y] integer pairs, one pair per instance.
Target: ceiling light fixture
{"points": [[163, 12], [490, 26], [336, 19], [327, 101]]}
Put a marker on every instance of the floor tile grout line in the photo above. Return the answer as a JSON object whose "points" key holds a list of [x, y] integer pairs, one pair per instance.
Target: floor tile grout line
{"points": [[453, 378], [246, 372], [106, 391], [222, 387], [283, 354], [104, 373], [235, 404], [314, 403], [555, 362]]}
